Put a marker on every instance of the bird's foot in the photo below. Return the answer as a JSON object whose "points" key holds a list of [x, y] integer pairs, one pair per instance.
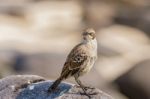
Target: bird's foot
{"points": [[86, 87], [89, 95], [88, 92]]}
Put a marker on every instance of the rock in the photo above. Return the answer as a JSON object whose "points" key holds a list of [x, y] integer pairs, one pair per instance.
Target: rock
{"points": [[128, 46], [98, 13], [135, 83], [39, 24], [35, 87], [134, 16]]}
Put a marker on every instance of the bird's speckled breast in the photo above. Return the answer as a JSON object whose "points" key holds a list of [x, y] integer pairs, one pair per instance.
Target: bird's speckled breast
{"points": [[88, 66]]}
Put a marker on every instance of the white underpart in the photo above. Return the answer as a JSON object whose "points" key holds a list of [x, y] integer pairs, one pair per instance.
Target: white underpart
{"points": [[93, 45], [93, 53]]}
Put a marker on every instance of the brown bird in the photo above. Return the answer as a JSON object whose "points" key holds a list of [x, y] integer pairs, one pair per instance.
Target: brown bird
{"points": [[80, 60]]}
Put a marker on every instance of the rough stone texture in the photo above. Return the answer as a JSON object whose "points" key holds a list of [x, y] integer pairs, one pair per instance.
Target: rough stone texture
{"points": [[35, 87], [10, 86]]}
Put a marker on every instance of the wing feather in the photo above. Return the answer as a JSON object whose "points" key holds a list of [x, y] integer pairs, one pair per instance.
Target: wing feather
{"points": [[75, 60]]}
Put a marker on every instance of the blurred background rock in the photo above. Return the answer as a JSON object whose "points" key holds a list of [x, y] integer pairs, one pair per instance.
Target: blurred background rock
{"points": [[37, 35]]}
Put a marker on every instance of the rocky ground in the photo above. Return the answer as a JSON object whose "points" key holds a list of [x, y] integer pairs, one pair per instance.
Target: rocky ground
{"points": [[35, 87], [37, 35]]}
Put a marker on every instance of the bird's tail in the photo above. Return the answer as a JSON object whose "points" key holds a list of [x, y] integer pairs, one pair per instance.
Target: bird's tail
{"points": [[55, 85]]}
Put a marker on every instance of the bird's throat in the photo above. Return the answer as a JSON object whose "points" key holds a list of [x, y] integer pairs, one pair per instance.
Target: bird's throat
{"points": [[91, 43]]}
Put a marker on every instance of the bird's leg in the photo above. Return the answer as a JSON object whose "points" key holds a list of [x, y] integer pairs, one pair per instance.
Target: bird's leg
{"points": [[82, 86]]}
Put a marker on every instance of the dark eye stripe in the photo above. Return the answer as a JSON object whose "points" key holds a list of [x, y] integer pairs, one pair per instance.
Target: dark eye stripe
{"points": [[85, 33], [91, 34]]}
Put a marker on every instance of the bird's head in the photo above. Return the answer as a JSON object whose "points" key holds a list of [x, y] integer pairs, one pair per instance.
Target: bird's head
{"points": [[89, 34]]}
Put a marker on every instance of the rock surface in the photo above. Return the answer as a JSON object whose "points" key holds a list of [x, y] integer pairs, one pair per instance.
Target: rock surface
{"points": [[35, 87]]}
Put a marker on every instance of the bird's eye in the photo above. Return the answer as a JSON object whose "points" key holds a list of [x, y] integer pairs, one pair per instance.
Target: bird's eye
{"points": [[91, 34]]}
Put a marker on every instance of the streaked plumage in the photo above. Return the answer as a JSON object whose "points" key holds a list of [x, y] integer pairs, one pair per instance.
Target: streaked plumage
{"points": [[80, 60]]}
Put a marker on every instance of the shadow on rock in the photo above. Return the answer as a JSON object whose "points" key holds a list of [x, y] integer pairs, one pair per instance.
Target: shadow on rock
{"points": [[39, 91]]}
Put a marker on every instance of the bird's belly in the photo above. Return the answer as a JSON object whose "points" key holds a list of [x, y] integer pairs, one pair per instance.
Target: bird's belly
{"points": [[86, 70], [88, 67]]}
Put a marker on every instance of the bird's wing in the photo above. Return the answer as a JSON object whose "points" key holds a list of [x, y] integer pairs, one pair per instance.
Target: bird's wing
{"points": [[76, 59]]}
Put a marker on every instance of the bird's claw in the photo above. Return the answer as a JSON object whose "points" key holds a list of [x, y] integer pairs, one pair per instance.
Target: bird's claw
{"points": [[89, 95], [87, 87]]}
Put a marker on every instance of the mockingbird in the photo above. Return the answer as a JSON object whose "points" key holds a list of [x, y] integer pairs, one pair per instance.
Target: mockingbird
{"points": [[80, 60]]}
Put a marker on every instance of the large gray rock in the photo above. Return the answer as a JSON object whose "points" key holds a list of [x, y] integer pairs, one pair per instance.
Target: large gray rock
{"points": [[35, 87]]}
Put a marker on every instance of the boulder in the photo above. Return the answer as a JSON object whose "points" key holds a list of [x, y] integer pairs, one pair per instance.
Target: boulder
{"points": [[35, 87]]}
